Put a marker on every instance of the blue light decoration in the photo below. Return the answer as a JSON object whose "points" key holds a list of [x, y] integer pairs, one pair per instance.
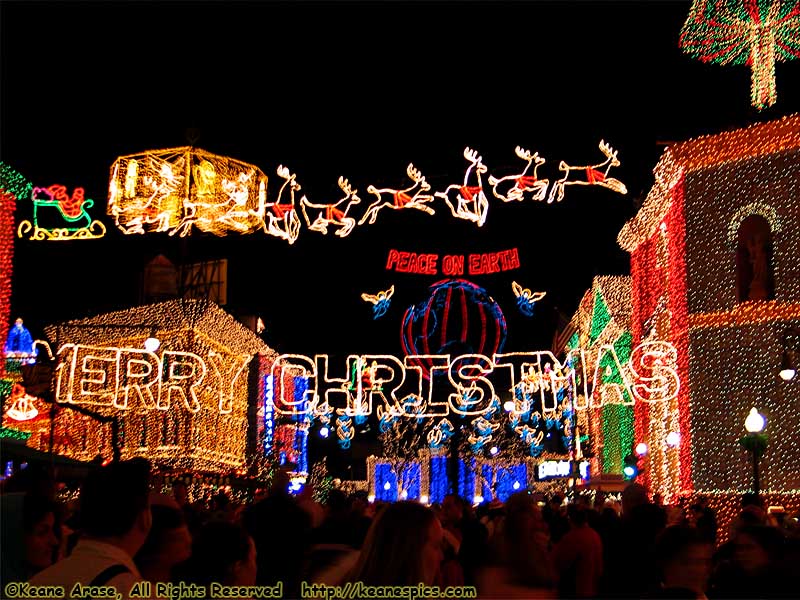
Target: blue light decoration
{"points": [[19, 348], [438, 485], [505, 479], [440, 434], [458, 317], [9, 470], [385, 475], [525, 298], [466, 479], [301, 448], [269, 414]]}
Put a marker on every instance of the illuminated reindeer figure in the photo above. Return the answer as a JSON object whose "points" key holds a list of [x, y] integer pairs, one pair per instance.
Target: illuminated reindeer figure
{"points": [[471, 203], [285, 214], [410, 197], [589, 175], [332, 214], [522, 182]]}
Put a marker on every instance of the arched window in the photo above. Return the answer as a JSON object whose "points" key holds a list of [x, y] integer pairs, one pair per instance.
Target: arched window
{"points": [[754, 271]]}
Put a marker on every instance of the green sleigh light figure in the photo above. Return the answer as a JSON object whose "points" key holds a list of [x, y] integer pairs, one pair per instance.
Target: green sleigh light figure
{"points": [[53, 204]]}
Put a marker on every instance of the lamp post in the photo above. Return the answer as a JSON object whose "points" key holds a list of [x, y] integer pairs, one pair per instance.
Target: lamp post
{"points": [[788, 368], [755, 442]]}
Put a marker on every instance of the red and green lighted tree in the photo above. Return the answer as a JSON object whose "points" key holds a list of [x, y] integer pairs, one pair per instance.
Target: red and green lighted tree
{"points": [[756, 33]]}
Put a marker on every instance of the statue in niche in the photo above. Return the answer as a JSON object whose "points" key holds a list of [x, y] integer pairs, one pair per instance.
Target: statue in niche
{"points": [[754, 275], [758, 261]]}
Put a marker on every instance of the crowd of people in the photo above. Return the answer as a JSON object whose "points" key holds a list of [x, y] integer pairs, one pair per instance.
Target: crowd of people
{"points": [[120, 532]]}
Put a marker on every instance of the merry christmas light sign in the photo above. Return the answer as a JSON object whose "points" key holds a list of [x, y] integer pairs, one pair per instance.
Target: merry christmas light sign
{"points": [[400, 387]]}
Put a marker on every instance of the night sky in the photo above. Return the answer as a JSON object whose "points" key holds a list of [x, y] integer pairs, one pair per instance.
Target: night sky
{"points": [[358, 90]]}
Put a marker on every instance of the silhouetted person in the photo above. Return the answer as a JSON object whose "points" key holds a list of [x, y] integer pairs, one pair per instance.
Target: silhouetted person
{"points": [[519, 565], [578, 557], [683, 557], [168, 544], [115, 519], [756, 569], [28, 539], [632, 572], [403, 547], [224, 553], [281, 531]]}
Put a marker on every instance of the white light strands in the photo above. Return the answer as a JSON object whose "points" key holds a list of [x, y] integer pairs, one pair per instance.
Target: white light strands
{"points": [[673, 439], [332, 214], [467, 200], [596, 174], [641, 449], [185, 406], [513, 187], [281, 217], [755, 422], [414, 196], [175, 189]]}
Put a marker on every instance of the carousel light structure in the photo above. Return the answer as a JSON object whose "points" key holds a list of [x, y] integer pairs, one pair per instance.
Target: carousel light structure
{"points": [[176, 189]]}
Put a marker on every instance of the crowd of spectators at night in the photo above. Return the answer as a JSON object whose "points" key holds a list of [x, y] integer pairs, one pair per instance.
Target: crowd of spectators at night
{"points": [[119, 531]]}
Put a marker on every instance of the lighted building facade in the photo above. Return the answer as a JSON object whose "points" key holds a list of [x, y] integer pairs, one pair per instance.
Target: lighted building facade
{"points": [[602, 321], [187, 404], [715, 270]]}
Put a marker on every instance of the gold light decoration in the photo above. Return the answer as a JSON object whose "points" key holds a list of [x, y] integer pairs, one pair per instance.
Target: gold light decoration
{"points": [[176, 189], [185, 407]]}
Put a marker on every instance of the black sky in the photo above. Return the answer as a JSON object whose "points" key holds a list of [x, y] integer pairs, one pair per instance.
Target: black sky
{"points": [[359, 90]]}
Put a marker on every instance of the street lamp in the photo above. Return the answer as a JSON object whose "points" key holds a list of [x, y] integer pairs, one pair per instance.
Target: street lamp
{"points": [[755, 442], [788, 368]]}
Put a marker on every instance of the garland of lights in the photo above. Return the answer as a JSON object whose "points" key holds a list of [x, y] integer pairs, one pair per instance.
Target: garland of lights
{"points": [[757, 33]]}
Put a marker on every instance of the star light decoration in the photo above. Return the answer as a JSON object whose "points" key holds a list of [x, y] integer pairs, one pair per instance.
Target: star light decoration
{"points": [[176, 189], [757, 33]]}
